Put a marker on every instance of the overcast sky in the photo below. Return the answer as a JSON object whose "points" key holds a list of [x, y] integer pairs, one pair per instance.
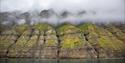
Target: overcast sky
{"points": [[112, 8], [74, 5]]}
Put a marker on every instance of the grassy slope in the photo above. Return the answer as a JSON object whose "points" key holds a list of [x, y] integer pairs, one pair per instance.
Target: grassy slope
{"points": [[103, 37], [70, 37]]}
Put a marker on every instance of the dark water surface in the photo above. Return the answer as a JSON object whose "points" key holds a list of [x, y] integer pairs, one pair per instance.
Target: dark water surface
{"points": [[62, 61]]}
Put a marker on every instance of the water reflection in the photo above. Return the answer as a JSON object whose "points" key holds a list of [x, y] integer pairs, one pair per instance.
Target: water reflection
{"points": [[62, 61]]}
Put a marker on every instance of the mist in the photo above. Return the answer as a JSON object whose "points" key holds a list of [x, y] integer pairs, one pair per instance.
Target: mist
{"points": [[95, 10]]}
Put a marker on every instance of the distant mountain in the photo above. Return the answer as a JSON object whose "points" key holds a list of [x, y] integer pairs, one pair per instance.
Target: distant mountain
{"points": [[32, 17], [65, 14], [47, 13]]}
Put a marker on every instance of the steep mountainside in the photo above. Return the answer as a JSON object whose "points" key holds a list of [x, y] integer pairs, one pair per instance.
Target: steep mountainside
{"points": [[65, 41]]}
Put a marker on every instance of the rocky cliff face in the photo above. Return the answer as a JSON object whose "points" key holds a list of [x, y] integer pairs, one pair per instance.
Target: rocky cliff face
{"points": [[65, 41]]}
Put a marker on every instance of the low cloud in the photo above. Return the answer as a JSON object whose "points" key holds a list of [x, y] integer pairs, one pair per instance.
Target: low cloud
{"points": [[105, 10]]}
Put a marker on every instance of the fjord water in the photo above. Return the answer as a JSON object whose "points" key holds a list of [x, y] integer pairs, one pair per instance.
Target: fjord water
{"points": [[62, 61]]}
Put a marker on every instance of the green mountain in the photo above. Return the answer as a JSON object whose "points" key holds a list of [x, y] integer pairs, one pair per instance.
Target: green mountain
{"points": [[64, 41]]}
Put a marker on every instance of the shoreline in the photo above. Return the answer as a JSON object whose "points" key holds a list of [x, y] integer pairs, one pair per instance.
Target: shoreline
{"points": [[63, 58]]}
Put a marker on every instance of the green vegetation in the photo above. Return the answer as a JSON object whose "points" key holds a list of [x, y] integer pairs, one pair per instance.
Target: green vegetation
{"points": [[104, 38], [87, 27], [71, 37], [21, 28], [51, 42], [6, 40], [71, 41], [42, 26], [67, 28], [116, 32]]}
